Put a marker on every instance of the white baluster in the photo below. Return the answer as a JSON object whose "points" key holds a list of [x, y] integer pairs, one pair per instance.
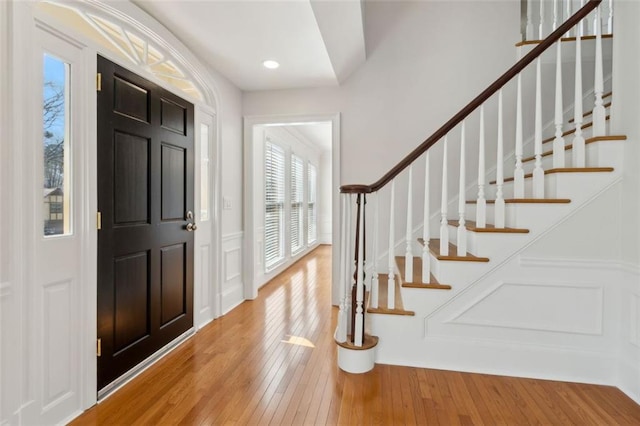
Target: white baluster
{"points": [[599, 113], [391, 285], [481, 203], [556, 17], [462, 229], [518, 173], [558, 142], [542, 23], [359, 325], [538, 173], [610, 19], [499, 205], [581, 29], [578, 139], [374, 275], [408, 254], [568, 13], [444, 224], [426, 226], [530, 34], [341, 330]]}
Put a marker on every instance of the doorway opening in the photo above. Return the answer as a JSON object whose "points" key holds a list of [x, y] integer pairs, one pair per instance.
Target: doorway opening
{"points": [[291, 198]]}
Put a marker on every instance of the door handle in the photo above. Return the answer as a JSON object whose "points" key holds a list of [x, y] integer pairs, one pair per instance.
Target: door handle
{"points": [[191, 227]]}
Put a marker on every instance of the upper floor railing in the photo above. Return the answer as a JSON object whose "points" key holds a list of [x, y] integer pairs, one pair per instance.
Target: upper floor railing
{"points": [[539, 18]]}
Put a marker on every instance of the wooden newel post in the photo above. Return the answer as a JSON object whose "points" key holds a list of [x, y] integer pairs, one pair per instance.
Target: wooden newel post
{"points": [[358, 287]]}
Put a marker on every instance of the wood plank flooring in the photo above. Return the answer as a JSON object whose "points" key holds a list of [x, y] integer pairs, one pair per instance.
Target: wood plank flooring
{"points": [[273, 361]]}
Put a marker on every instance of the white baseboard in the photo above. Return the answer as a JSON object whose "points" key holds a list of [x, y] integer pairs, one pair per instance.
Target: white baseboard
{"points": [[232, 297], [629, 379], [503, 359]]}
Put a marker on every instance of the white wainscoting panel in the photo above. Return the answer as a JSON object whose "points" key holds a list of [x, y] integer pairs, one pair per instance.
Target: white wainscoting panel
{"points": [[538, 307], [635, 320], [205, 279], [5, 290], [58, 345], [232, 265], [232, 286]]}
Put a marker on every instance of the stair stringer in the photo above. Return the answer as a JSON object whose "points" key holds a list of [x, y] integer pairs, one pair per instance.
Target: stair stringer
{"points": [[432, 338]]}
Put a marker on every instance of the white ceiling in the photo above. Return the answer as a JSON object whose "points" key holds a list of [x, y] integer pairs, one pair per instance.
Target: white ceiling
{"points": [[317, 43]]}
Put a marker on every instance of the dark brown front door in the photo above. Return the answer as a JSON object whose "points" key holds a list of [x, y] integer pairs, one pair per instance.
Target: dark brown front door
{"points": [[145, 189]]}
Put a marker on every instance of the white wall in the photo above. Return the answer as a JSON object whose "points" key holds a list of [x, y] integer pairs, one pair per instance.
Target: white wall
{"points": [[230, 124], [325, 191], [625, 113]]}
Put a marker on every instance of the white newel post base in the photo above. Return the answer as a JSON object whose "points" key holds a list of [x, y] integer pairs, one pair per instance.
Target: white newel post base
{"points": [[357, 359]]}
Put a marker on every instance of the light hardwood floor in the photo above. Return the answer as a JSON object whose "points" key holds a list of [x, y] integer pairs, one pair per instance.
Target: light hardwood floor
{"points": [[273, 361]]}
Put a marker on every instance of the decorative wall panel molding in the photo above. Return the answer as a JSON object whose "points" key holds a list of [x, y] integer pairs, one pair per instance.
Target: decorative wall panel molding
{"points": [[537, 307], [6, 290], [232, 264], [57, 343], [635, 320]]}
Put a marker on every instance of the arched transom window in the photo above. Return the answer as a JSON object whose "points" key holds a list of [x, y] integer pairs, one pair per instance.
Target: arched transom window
{"points": [[124, 41]]}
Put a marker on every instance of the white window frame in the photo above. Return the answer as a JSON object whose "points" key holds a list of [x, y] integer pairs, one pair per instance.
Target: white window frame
{"points": [[297, 202], [312, 204], [272, 262]]}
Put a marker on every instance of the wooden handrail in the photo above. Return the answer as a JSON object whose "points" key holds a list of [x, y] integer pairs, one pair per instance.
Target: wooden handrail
{"points": [[479, 100]]}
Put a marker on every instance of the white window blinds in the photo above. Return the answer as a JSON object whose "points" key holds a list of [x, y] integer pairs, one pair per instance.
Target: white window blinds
{"points": [[312, 215], [297, 204], [274, 171]]}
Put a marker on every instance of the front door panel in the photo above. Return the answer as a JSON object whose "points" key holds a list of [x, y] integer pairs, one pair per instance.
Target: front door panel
{"points": [[145, 252]]}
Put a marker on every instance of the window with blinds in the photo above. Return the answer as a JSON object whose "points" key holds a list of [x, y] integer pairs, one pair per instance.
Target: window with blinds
{"points": [[274, 179], [297, 204], [312, 213]]}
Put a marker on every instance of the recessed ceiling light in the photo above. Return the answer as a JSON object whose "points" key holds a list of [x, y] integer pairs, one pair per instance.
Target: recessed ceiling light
{"points": [[271, 64]]}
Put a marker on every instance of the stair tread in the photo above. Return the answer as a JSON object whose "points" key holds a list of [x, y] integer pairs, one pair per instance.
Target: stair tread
{"points": [[417, 272], [588, 113], [572, 131], [563, 39], [383, 283], [471, 226], [434, 247], [586, 142], [528, 201], [564, 170]]}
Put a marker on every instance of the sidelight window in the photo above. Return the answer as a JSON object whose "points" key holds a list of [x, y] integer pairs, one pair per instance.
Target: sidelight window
{"points": [[56, 147]]}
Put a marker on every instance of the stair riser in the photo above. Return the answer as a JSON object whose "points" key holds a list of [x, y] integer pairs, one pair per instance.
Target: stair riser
{"points": [[520, 215], [598, 154], [566, 185], [462, 273], [422, 301], [485, 244], [490, 245]]}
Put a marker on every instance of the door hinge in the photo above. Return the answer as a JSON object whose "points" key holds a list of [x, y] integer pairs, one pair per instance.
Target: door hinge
{"points": [[99, 221], [99, 82], [99, 348]]}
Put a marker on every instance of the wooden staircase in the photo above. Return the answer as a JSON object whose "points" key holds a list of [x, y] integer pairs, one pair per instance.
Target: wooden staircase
{"points": [[483, 230], [471, 226]]}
